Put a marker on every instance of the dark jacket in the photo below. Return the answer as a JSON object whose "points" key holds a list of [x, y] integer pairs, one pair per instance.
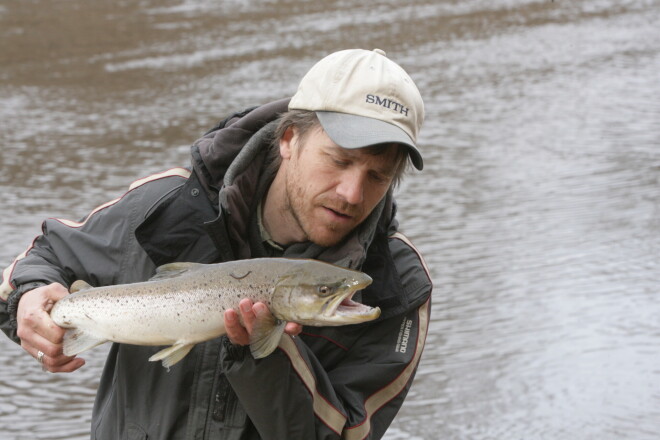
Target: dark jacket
{"points": [[327, 383]]}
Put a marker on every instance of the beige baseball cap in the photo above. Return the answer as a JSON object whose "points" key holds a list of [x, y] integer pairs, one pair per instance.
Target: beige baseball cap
{"points": [[363, 98]]}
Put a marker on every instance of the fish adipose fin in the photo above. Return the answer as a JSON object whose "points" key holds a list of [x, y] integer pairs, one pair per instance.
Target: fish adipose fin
{"points": [[265, 337], [77, 341], [173, 270], [172, 355]]}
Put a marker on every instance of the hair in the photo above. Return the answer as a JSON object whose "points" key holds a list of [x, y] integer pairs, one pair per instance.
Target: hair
{"points": [[306, 121]]}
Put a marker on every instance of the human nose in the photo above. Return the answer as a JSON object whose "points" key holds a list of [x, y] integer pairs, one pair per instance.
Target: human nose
{"points": [[351, 187]]}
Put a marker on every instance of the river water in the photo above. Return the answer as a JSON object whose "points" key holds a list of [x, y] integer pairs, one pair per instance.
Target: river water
{"points": [[537, 211]]}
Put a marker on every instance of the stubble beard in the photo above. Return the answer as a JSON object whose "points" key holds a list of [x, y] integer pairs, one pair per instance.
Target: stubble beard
{"points": [[294, 206]]}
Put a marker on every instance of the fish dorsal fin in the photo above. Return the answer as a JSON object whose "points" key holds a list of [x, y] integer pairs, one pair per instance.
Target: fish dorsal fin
{"points": [[173, 270], [78, 286]]}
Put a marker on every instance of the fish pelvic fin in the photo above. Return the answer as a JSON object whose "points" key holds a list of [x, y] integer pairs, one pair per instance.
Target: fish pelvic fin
{"points": [[172, 355], [77, 341], [265, 336], [173, 270], [78, 286]]}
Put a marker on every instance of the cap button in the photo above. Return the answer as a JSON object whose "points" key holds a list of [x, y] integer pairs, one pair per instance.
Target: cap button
{"points": [[380, 52]]}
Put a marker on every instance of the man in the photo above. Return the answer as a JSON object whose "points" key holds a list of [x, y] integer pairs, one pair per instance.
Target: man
{"points": [[307, 178]]}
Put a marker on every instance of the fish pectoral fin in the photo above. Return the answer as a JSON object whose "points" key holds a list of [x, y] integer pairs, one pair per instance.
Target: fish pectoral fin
{"points": [[172, 355], [173, 270], [78, 286], [265, 337], [77, 341]]}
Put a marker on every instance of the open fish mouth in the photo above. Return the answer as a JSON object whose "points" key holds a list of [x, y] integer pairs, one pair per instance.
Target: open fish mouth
{"points": [[348, 307], [342, 308]]}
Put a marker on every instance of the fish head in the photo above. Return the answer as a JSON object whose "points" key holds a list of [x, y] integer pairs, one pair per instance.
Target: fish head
{"points": [[320, 294]]}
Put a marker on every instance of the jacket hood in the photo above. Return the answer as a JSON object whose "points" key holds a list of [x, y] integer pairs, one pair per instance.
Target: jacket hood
{"points": [[216, 150]]}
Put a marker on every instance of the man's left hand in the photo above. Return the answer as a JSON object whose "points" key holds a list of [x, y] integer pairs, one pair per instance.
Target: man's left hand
{"points": [[240, 328]]}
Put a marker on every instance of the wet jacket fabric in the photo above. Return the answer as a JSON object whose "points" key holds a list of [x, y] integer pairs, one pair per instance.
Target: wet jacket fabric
{"points": [[327, 383]]}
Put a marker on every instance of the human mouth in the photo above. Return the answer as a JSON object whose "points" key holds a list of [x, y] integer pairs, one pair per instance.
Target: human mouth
{"points": [[339, 215]]}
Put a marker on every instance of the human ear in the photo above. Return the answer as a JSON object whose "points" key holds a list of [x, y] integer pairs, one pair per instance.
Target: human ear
{"points": [[287, 143]]}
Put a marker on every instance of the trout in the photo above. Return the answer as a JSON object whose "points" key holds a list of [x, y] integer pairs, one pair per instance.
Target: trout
{"points": [[184, 304]]}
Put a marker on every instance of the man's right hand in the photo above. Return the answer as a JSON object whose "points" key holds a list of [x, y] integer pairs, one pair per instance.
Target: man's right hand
{"points": [[38, 333]]}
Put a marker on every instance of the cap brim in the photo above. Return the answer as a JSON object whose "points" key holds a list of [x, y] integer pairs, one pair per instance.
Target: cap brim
{"points": [[352, 131]]}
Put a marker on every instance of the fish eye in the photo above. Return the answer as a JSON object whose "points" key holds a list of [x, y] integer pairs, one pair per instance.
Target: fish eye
{"points": [[325, 290]]}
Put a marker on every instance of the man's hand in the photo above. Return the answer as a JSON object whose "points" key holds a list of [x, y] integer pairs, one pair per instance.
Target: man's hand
{"points": [[239, 334], [39, 333]]}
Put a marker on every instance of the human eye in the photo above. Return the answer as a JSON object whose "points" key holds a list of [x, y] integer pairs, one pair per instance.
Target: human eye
{"points": [[379, 178], [340, 162]]}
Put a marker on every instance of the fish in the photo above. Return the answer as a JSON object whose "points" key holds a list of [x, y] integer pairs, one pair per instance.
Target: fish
{"points": [[183, 304]]}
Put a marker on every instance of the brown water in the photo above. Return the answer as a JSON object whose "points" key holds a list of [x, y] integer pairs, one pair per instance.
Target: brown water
{"points": [[537, 210]]}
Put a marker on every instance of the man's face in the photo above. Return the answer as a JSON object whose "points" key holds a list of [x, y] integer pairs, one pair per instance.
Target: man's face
{"points": [[331, 190]]}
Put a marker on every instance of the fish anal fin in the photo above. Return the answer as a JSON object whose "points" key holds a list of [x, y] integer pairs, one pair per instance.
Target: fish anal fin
{"points": [[79, 286], [171, 355], [173, 270], [77, 341], [265, 336]]}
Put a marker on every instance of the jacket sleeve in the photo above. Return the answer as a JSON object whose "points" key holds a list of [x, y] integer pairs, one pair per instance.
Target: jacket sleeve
{"points": [[298, 392], [100, 249]]}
